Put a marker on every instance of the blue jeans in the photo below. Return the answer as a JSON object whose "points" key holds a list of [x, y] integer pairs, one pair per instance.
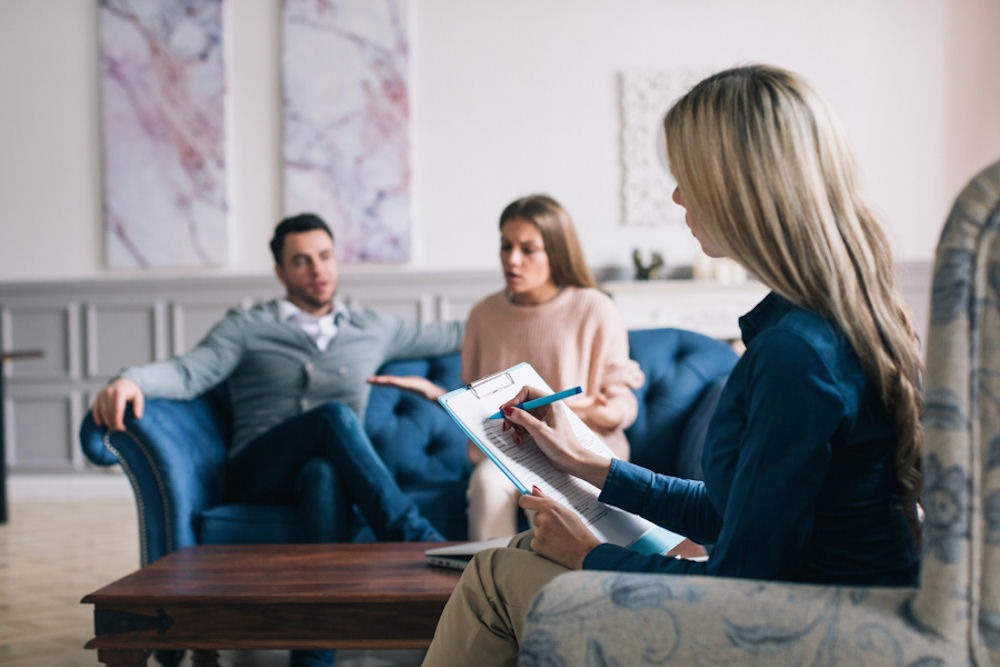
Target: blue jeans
{"points": [[323, 461], [280, 466]]}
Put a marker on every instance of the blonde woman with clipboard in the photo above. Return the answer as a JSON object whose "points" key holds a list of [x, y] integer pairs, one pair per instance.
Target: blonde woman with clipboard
{"points": [[811, 460]]}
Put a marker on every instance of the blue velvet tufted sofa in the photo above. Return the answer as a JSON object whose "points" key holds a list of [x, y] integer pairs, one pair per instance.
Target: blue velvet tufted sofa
{"points": [[175, 455]]}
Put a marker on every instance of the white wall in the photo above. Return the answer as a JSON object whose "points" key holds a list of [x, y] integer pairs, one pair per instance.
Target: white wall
{"points": [[513, 96]]}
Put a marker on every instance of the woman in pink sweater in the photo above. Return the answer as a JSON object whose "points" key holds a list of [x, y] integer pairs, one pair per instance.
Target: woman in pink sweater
{"points": [[551, 315]]}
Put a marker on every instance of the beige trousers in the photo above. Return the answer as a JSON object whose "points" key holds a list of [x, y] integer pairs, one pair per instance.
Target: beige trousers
{"points": [[492, 502], [484, 617]]}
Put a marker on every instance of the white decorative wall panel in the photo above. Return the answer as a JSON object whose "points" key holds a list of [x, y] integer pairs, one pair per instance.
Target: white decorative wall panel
{"points": [[647, 184]]}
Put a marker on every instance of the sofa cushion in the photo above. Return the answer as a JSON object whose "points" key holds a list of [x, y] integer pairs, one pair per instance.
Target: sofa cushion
{"points": [[238, 523]]}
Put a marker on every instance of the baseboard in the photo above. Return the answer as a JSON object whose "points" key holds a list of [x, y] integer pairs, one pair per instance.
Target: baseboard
{"points": [[39, 487]]}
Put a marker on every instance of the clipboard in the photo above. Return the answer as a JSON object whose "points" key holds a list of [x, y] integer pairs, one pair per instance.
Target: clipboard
{"points": [[526, 466]]}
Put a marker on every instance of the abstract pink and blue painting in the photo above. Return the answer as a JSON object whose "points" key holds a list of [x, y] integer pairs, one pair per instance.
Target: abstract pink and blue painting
{"points": [[162, 92]]}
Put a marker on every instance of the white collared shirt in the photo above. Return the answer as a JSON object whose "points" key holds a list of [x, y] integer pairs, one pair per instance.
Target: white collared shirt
{"points": [[321, 329]]}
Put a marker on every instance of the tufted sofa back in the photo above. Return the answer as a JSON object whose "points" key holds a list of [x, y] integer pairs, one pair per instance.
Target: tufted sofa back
{"points": [[685, 372]]}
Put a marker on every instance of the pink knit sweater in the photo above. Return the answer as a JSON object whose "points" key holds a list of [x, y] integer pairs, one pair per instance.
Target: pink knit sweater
{"points": [[570, 340]]}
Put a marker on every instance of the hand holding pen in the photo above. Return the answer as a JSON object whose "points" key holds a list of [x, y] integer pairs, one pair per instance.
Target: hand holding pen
{"points": [[552, 431], [539, 402]]}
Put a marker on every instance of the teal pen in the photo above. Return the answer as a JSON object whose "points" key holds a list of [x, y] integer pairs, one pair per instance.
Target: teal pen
{"points": [[544, 400]]}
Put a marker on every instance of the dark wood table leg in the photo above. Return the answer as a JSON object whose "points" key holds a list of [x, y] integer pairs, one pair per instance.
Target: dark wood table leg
{"points": [[4, 358], [3, 456], [123, 657]]}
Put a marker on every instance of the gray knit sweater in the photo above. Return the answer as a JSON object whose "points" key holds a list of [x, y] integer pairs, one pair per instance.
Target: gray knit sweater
{"points": [[275, 371]]}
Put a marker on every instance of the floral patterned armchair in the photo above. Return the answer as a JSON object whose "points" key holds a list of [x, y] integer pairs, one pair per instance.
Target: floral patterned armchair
{"points": [[953, 618]]}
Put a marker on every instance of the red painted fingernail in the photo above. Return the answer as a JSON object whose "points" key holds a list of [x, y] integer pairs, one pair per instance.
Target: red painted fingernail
{"points": [[536, 490], [508, 411], [517, 440]]}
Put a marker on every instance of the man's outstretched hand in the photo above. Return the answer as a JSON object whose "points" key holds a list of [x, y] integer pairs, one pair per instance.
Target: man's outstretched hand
{"points": [[415, 383]]}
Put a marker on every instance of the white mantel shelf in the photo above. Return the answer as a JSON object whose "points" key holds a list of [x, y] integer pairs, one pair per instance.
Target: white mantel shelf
{"points": [[707, 306]]}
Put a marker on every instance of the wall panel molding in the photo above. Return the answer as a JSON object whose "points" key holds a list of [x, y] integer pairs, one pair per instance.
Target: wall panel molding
{"points": [[88, 330], [74, 321]]}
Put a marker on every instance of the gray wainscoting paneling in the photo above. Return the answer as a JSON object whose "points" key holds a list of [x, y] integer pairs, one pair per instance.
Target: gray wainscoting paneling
{"points": [[89, 330], [40, 432], [122, 335], [52, 328]]}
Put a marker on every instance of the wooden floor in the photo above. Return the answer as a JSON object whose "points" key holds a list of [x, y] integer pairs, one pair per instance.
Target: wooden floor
{"points": [[53, 552]]}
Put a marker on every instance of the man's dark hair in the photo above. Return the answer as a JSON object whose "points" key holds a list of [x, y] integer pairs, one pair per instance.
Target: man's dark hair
{"points": [[303, 222]]}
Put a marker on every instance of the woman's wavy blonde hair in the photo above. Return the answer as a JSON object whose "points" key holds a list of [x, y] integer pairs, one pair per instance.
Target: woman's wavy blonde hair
{"points": [[764, 168]]}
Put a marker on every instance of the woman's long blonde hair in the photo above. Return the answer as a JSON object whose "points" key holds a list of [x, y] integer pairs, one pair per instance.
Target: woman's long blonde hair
{"points": [[765, 170]]}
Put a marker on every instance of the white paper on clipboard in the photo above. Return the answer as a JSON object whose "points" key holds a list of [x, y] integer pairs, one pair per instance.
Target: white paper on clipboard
{"points": [[526, 466]]}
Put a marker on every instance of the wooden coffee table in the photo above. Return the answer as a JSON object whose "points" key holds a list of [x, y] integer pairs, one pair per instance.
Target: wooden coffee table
{"points": [[303, 596]]}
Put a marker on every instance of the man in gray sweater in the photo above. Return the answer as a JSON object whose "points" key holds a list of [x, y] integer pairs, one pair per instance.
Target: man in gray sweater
{"points": [[296, 369]]}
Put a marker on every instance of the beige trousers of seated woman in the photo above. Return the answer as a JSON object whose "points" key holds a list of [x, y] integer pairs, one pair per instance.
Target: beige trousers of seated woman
{"points": [[482, 622], [492, 502]]}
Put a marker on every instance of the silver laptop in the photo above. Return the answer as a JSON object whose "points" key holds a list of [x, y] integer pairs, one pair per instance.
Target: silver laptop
{"points": [[457, 556]]}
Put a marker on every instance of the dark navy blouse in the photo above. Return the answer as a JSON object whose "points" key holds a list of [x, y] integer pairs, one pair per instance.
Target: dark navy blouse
{"points": [[798, 463]]}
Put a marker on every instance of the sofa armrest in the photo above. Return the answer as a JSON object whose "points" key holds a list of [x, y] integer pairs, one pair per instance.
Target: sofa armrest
{"points": [[610, 618], [174, 459]]}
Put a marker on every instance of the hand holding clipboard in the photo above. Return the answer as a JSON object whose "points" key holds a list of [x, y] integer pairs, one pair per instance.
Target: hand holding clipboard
{"points": [[474, 407]]}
